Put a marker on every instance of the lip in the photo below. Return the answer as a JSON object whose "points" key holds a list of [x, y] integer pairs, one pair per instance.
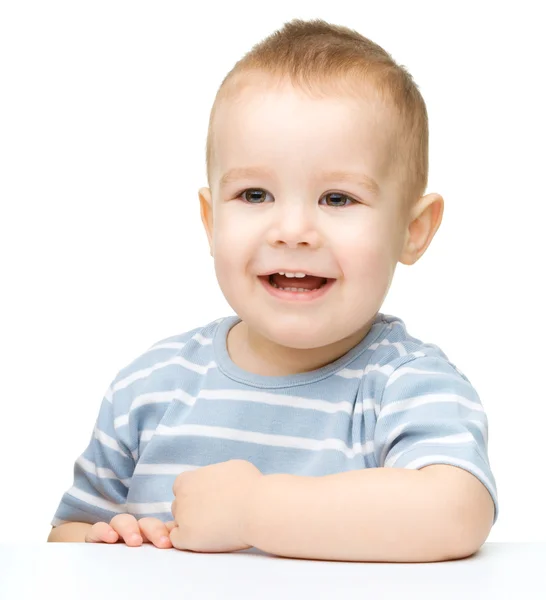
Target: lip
{"points": [[296, 296], [293, 271]]}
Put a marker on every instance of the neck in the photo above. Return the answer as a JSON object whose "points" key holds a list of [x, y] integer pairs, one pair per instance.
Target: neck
{"points": [[256, 354]]}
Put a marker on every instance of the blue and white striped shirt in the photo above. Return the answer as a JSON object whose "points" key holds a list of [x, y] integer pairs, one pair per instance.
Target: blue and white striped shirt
{"points": [[391, 401]]}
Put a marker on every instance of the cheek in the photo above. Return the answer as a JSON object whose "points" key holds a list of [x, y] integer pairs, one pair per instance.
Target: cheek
{"points": [[225, 263], [362, 248], [231, 229], [231, 252], [235, 236]]}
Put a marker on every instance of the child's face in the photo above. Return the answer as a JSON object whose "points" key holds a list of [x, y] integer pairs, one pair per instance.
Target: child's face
{"points": [[296, 221]]}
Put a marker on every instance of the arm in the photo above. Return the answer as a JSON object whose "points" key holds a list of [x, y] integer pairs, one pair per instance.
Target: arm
{"points": [[69, 532], [381, 514], [101, 475]]}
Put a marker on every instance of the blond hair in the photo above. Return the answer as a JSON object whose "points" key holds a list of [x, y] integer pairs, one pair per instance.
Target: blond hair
{"points": [[320, 58]]}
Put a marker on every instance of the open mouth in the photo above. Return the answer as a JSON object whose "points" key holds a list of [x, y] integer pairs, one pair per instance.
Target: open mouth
{"points": [[309, 283], [297, 289]]}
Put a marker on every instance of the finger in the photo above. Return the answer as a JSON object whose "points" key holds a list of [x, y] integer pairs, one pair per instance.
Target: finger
{"points": [[155, 532], [174, 536], [170, 525], [101, 532], [127, 527]]}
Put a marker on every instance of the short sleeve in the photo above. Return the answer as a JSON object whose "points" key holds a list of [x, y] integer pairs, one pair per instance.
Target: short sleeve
{"points": [[431, 414], [102, 474]]}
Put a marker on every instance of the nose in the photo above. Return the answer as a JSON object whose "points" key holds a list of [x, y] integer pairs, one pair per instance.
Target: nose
{"points": [[293, 226]]}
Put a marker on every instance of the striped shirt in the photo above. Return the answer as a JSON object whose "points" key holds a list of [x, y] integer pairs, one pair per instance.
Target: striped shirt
{"points": [[391, 401]]}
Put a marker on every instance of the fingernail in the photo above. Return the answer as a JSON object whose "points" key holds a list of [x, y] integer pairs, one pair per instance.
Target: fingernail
{"points": [[164, 540], [136, 538]]}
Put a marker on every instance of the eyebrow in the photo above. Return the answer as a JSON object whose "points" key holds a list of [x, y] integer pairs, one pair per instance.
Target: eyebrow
{"points": [[250, 172]]}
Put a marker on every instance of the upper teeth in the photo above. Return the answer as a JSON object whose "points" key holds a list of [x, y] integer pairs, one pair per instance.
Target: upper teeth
{"points": [[292, 274]]}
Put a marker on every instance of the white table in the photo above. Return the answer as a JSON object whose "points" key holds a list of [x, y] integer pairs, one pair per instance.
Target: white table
{"points": [[103, 572]]}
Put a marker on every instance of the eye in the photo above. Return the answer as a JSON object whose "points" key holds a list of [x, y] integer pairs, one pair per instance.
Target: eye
{"points": [[256, 196], [337, 197], [252, 195]]}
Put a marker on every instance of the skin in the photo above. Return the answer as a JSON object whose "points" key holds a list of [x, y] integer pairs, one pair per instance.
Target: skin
{"points": [[125, 528], [302, 224], [294, 222]]}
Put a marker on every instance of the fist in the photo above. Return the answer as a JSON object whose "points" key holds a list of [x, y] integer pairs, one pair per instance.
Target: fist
{"points": [[211, 504], [127, 529]]}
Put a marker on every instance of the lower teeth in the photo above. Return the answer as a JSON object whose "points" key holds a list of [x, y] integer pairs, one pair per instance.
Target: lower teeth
{"points": [[292, 289]]}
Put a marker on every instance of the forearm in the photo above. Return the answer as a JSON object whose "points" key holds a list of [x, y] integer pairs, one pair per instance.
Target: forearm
{"points": [[69, 532], [382, 514]]}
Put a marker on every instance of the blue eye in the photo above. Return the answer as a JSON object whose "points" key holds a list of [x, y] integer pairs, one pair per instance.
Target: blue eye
{"points": [[255, 196], [338, 195]]}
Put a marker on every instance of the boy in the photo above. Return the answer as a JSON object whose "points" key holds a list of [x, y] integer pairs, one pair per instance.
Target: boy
{"points": [[309, 425]]}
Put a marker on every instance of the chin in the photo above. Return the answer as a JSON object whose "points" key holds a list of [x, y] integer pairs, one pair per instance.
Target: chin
{"points": [[297, 335]]}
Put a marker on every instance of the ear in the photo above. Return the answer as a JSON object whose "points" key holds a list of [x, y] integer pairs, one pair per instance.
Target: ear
{"points": [[205, 199], [424, 220]]}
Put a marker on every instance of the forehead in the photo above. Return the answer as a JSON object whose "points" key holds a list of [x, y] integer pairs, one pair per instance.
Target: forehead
{"points": [[278, 124]]}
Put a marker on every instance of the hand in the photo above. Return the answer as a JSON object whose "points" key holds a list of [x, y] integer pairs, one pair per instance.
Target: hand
{"points": [[131, 531], [210, 505]]}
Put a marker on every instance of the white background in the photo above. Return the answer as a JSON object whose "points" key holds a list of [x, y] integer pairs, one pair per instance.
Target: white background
{"points": [[103, 118]]}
